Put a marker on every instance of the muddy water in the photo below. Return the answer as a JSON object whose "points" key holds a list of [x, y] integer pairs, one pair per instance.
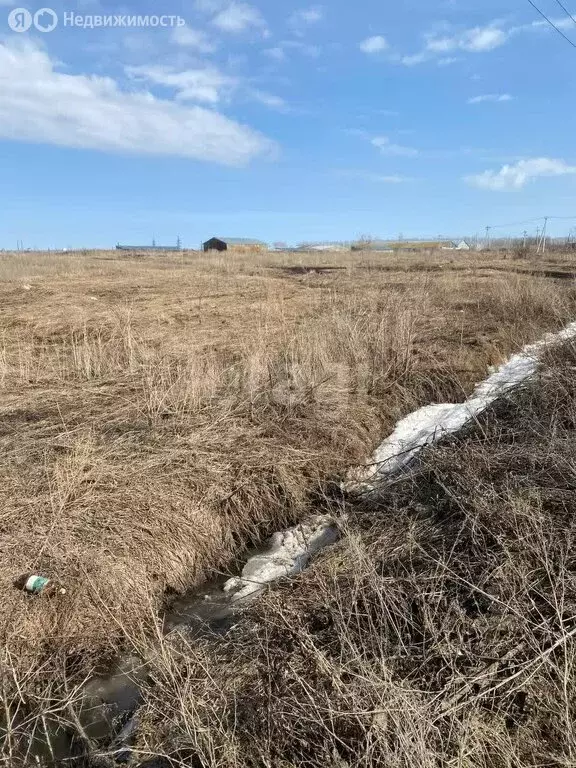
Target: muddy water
{"points": [[206, 610], [107, 719]]}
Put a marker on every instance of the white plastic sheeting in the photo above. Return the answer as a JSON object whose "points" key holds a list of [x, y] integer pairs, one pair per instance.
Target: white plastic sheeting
{"points": [[433, 422], [288, 553]]}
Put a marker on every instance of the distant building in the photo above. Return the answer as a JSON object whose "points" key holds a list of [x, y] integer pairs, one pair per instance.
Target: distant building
{"points": [[413, 246], [420, 245], [234, 244], [378, 246], [457, 245], [147, 248], [153, 247], [334, 247]]}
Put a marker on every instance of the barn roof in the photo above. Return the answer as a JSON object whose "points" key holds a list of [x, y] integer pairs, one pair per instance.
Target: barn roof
{"points": [[239, 240]]}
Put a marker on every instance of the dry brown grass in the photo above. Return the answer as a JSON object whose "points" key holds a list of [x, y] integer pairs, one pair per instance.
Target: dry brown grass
{"points": [[440, 632], [158, 413]]}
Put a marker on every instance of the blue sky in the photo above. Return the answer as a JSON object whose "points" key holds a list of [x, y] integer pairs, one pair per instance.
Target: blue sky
{"points": [[286, 121]]}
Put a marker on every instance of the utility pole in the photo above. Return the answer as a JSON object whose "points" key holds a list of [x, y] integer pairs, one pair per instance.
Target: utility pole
{"points": [[488, 243], [542, 242], [525, 239]]}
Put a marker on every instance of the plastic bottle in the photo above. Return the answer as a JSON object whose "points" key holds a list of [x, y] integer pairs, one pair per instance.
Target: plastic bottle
{"points": [[38, 585]]}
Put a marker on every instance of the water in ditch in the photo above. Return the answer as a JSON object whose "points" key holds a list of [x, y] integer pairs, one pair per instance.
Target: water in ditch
{"points": [[107, 711]]}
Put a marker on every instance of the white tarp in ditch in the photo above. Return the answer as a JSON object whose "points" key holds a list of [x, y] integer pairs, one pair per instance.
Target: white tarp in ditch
{"points": [[289, 551], [433, 422]]}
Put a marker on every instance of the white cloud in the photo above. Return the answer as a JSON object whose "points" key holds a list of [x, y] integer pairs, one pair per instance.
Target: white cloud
{"points": [[448, 61], [474, 40], [206, 85], [563, 22], [388, 179], [192, 38], [375, 44], [280, 51], [269, 100], [480, 39], [387, 147], [414, 59], [494, 97], [40, 104], [278, 54], [305, 17], [238, 17], [518, 175]]}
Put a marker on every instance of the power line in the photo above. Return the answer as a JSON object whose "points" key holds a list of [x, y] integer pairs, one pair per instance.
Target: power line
{"points": [[541, 232], [518, 223], [573, 44], [566, 11], [531, 221]]}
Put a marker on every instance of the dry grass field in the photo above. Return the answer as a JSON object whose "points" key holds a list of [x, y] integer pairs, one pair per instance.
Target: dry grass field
{"points": [[159, 413], [440, 632]]}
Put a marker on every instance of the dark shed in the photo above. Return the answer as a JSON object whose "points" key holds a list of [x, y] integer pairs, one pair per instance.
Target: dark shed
{"points": [[215, 244], [238, 244]]}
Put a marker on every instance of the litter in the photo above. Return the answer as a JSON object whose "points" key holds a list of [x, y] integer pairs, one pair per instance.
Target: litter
{"points": [[38, 585]]}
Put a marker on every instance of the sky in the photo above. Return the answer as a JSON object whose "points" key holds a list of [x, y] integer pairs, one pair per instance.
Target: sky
{"points": [[284, 121]]}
